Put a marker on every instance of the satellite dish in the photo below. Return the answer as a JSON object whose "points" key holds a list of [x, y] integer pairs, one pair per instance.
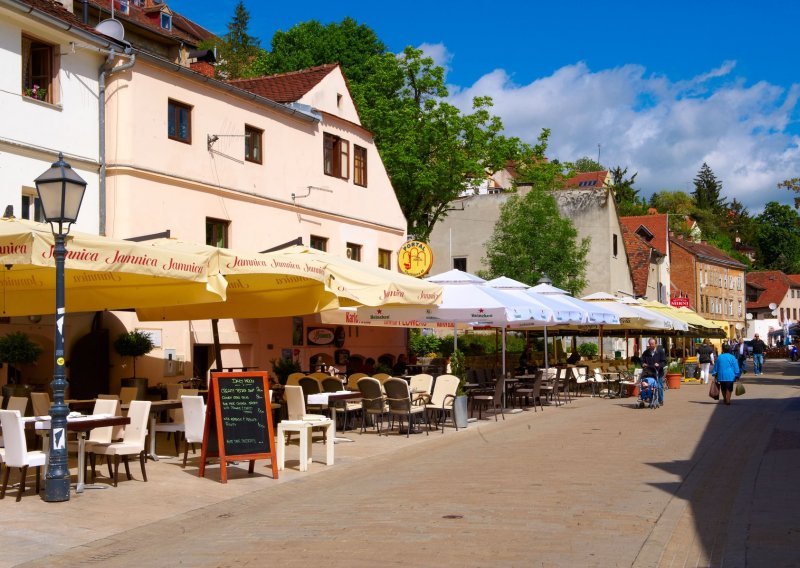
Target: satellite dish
{"points": [[773, 305], [749, 316], [111, 28], [774, 312]]}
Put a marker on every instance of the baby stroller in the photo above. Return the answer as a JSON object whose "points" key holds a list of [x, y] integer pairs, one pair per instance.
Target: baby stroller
{"points": [[648, 392]]}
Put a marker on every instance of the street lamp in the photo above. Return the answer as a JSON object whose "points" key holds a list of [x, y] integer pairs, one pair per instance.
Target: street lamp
{"points": [[60, 192]]}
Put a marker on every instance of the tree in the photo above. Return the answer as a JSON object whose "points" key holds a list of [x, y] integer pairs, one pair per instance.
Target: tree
{"points": [[311, 43], [237, 50], [792, 184], [523, 245], [778, 238], [431, 150], [586, 164], [626, 196], [707, 191], [133, 344]]}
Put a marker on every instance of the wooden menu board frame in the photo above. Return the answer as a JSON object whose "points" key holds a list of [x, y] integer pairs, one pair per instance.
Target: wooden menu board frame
{"points": [[234, 406]]}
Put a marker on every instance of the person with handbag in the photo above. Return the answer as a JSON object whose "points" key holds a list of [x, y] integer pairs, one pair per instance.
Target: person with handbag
{"points": [[705, 355], [726, 372]]}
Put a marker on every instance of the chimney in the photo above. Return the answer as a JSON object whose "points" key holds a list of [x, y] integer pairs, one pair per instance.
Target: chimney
{"points": [[203, 67]]}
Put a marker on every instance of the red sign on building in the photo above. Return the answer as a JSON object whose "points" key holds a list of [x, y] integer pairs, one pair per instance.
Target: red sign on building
{"points": [[679, 302]]}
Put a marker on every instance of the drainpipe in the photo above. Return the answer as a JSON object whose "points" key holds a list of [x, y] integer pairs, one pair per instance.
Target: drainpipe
{"points": [[106, 70]]}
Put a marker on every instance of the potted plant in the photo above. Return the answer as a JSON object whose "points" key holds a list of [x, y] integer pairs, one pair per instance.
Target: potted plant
{"points": [[133, 344], [674, 374], [283, 368], [423, 346], [458, 369], [17, 349], [588, 350]]}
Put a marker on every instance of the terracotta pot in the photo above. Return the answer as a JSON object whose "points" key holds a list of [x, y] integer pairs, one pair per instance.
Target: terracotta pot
{"points": [[674, 380], [632, 390]]}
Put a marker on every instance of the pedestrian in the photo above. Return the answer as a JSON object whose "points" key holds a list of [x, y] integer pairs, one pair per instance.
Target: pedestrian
{"points": [[726, 372], [654, 360], [705, 356], [759, 347], [741, 355]]}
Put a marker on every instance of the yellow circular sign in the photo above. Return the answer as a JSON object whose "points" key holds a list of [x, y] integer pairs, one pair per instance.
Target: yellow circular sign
{"points": [[60, 361], [415, 258]]}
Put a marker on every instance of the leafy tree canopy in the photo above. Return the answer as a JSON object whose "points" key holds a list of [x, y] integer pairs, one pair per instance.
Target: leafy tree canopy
{"points": [[778, 238], [626, 196], [792, 184], [586, 164]]}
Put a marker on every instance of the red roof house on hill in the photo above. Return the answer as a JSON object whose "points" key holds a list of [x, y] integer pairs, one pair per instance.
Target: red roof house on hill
{"points": [[652, 228]]}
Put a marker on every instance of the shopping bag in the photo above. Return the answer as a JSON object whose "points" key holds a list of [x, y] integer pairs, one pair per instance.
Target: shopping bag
{"points": [[713, 390], [739, 389]]}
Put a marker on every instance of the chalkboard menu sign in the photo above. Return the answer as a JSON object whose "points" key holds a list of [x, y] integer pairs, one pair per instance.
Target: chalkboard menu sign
{"points": [[238, 421], [690, 370]]}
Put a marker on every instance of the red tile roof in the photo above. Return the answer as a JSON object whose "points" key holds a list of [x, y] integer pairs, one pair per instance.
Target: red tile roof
{"points": [[657, 224], [774, 284], [707, 253], [286, 87], [587, 179], [639, 253], [182, 29], [57, 9], [795, 278]]}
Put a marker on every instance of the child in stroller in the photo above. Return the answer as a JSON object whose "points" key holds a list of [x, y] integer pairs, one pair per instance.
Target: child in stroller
{"points": [[648, 392]]}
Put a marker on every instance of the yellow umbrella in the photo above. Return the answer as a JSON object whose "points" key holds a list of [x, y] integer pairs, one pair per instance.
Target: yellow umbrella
{"points": [[294, 281], [685, 314], [100, 273]]}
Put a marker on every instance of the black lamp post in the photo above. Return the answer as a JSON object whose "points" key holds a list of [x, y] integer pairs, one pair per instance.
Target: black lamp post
{"points": [[60, 193]]}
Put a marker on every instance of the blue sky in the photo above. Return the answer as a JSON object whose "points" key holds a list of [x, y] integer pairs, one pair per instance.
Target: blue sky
{"points": [[660, 86]]}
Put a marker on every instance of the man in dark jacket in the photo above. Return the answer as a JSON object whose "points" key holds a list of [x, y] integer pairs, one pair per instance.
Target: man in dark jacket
{"points": [[759, 348], [654, 361]]}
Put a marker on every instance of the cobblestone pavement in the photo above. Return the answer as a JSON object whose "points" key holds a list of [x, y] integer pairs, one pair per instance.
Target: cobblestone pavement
{"points": [[595, 482]]}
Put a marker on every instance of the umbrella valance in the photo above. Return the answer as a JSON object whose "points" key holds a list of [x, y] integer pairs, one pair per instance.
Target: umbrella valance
{"points": [[294, 281], [100, 273]]}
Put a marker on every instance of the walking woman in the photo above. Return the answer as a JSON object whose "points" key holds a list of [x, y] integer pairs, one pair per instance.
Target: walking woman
{"points": [[726, 372], [705, 356]]}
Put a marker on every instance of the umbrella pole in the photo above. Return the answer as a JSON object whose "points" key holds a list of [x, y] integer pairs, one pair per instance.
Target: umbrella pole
{"points": [[600, 340], [217, 350], [504, 351], [546, 362]]}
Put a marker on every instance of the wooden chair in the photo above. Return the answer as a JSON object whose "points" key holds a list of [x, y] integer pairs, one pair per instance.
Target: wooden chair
{"points": [[398, 397], [443, 397], [495, 399], [16, 454], [40, 401], [18, 403], [373, 402]]}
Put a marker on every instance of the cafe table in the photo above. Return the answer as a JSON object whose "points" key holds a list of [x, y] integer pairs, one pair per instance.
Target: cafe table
{"points": [[81, 425], [327, 399]]}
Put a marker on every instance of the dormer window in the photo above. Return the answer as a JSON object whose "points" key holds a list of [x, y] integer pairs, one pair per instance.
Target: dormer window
{"points": [[166, 21]]}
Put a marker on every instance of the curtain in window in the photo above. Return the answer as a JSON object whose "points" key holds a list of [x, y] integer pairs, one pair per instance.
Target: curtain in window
{"points": [[26, 63]]}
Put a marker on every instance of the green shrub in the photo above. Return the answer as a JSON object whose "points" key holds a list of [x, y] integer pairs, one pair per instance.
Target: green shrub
{"points": [[421, 345], [17, 348], [587, 350]]}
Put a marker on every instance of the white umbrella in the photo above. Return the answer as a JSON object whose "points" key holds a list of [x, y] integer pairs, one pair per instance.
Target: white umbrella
{"points": [[466, 299]]}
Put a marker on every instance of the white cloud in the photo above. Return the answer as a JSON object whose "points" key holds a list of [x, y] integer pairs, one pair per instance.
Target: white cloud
{"points": [[661, 129], [439, 53]]}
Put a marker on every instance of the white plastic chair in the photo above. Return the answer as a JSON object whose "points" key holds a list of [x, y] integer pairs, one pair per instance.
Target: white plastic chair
{"points": [[194, 420], [16, 454], [304, 424], [132, 443]]}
